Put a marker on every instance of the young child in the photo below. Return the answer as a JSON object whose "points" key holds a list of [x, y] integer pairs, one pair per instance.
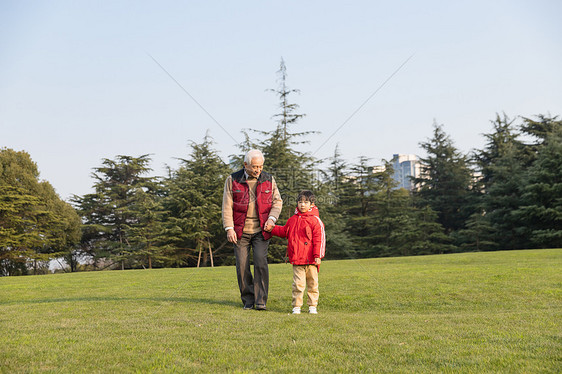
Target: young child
{"points": [[305, 248]]}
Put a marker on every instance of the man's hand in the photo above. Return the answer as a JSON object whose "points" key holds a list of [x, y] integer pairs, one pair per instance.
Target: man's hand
{"points": [[317, 261], [269, 225], [231, 236]]}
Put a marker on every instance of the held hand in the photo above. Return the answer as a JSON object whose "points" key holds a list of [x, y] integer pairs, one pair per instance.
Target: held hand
{"points": [[269, 225], [317, 261], [231, 236]]}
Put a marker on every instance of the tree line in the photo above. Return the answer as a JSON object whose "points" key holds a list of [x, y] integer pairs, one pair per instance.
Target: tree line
{"points": [[507, 195]]}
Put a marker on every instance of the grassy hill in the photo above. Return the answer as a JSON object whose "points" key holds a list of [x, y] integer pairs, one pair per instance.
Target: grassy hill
{"points": [[471, 312]]}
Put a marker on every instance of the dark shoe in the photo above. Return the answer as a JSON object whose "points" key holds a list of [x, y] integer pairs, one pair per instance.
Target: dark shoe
{"points": [[248, 307], [260, 307]]}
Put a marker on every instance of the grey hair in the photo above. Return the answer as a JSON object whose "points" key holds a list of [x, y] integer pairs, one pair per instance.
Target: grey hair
{"points": [[254, 153]]}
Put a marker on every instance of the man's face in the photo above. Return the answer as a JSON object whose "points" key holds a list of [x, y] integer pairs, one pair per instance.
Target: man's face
{"points": [[255, 167]]}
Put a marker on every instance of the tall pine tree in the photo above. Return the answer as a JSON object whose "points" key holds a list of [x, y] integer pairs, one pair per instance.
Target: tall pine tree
{"points": [[113, 215], [193, 204], [541, 208], [292, 169], [502, 163], [445, 180]]}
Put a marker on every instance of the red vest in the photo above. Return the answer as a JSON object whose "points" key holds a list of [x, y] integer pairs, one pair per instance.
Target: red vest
{"points": [[241, 199]]}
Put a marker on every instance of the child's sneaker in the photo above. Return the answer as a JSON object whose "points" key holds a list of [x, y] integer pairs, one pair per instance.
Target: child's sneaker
{"points": [[312, 310], [297, 310]]}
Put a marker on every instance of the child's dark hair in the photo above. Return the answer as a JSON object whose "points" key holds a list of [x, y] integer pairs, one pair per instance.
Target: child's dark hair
{"points": [[306, 195]]}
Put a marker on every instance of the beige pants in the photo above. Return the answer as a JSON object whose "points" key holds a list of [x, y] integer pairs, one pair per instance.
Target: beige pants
{"points": [[305, 275]]}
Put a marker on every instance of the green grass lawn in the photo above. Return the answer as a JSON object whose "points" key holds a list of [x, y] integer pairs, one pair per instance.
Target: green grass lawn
{"points": [[473, 312]]}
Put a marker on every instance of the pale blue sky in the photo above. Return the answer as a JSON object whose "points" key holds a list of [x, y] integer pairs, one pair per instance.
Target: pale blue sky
{"points": [[77, 83]]}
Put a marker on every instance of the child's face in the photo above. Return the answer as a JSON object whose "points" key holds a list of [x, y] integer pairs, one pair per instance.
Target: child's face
{"points": [[304, 205]]}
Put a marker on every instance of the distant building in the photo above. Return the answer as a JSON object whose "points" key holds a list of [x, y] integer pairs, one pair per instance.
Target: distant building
{"points": [[405, 168]]}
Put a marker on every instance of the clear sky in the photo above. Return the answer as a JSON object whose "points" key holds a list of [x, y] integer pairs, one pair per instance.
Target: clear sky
{"points": [[77, 83]]}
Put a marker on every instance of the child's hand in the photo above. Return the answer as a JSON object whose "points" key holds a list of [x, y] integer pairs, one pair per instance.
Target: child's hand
{"points": [[317, 261]]}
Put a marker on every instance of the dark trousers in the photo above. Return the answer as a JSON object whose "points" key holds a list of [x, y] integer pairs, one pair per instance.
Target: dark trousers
{"points": [[253, 291]]}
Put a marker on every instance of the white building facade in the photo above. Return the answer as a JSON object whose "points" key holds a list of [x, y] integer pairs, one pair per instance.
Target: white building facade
{"points": [[405, 168]]}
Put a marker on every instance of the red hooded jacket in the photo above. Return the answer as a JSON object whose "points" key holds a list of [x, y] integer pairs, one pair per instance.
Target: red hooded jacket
{"points": [[307, 239]]}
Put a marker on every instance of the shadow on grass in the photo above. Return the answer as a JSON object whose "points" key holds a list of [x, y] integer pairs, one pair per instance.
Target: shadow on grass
{"points": [[184, 300], [162, 301]]}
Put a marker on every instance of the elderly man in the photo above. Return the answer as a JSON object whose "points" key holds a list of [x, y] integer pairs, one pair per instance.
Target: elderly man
{"points": [[251, 203]]}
